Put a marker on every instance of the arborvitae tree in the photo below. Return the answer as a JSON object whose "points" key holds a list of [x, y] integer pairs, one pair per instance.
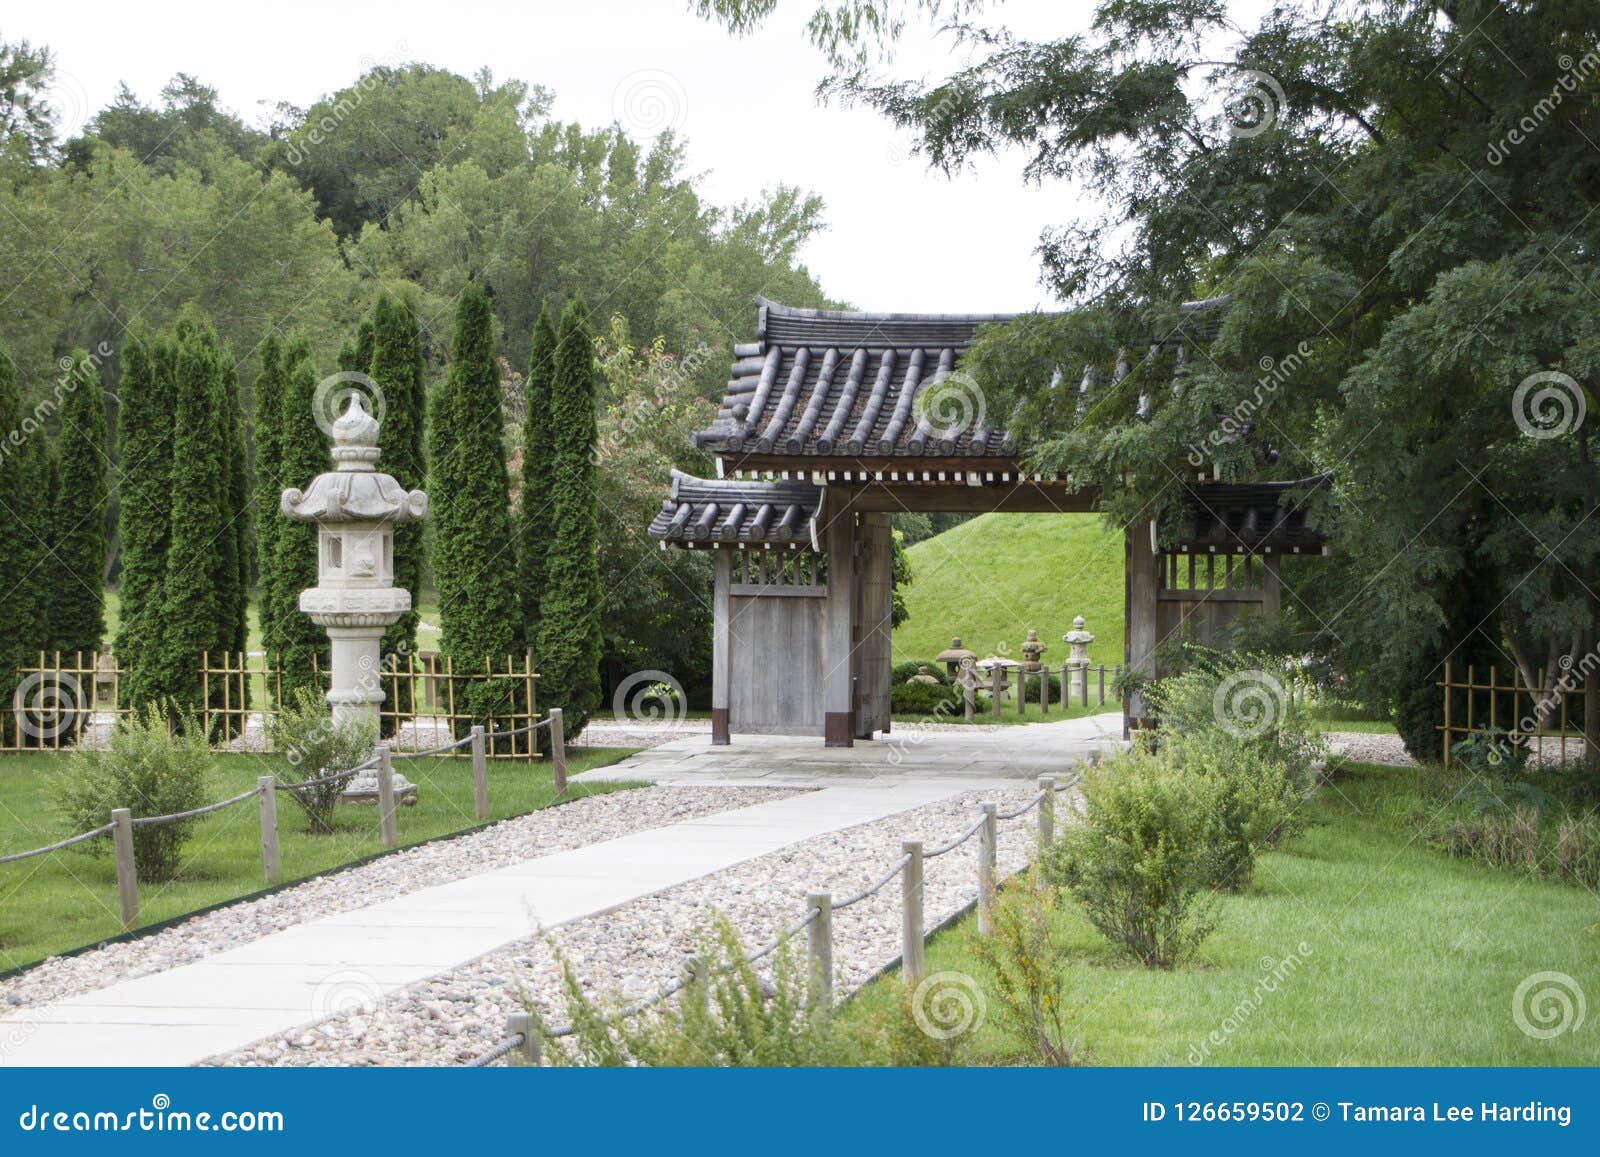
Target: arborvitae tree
{"points": [[13, 621], [396, 367], [534, 513], [269, 476], [195, 615], [144, 447], [474, 563], [236, 501], [303, 450], [358, 357], [77, 604], [569, 635], [41, 571]]}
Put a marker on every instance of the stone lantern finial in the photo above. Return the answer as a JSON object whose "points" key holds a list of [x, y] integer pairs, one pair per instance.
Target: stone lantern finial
{"points": [[355, 437]]}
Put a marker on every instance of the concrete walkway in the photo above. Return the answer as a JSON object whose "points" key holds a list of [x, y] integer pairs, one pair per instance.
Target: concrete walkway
{"points": [[335, 964]]}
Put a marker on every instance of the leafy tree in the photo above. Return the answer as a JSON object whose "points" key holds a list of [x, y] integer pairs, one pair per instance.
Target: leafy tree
{"points": [[13, 576], [145, 440], [187, 126], [474, 561], [269, 400], [569, 631], [27, 122], [77, 611], [656, 608], [536, 494], [361, 149], [303, 454]]}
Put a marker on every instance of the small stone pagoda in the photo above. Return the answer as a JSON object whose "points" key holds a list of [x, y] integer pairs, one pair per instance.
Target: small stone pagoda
{"points": [[356, 509]]}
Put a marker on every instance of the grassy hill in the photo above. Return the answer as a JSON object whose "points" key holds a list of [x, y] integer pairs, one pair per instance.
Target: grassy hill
{"points": [[992, 578]]}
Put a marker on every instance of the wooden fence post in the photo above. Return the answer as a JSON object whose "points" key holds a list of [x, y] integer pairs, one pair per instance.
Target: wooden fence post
{"points": [[819, 943], [558, 747], [913, 964], [969, 690], [271, 865], [127, 873], [480, 774], [697, 986], [997, 675], [1102, 679], [988, 836], [1047, 811], [388, 827], [521, 1024], [1044, 690]]}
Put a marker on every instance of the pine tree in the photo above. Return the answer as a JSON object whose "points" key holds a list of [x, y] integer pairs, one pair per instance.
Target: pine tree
{"points": [[534, 511], [144, 446], [396, 367], [269, 476], [474, 565], [303, 450], [193, 609], [77, 611], [569, 635]]}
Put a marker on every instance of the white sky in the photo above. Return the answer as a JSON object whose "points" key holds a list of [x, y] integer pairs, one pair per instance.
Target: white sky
{"points": [[900, 237]]}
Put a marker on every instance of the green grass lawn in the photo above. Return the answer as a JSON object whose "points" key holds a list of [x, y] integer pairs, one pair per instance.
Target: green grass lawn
{"points": [[994, 577], [1410, 957], [67, 899]]}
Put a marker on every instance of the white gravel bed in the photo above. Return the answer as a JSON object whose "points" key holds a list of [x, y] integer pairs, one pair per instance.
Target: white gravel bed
{"points": [[1365, 747], [633, 950], [583, 821]]}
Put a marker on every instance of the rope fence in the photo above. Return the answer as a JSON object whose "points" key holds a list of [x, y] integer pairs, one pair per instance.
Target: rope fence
{"points": [[123, 822], [526, 1036]]}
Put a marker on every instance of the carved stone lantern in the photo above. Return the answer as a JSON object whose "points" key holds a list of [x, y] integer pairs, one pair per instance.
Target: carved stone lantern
{"points": [[1078, 641], [356, 509], [955, 657], [1032, 651]]}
